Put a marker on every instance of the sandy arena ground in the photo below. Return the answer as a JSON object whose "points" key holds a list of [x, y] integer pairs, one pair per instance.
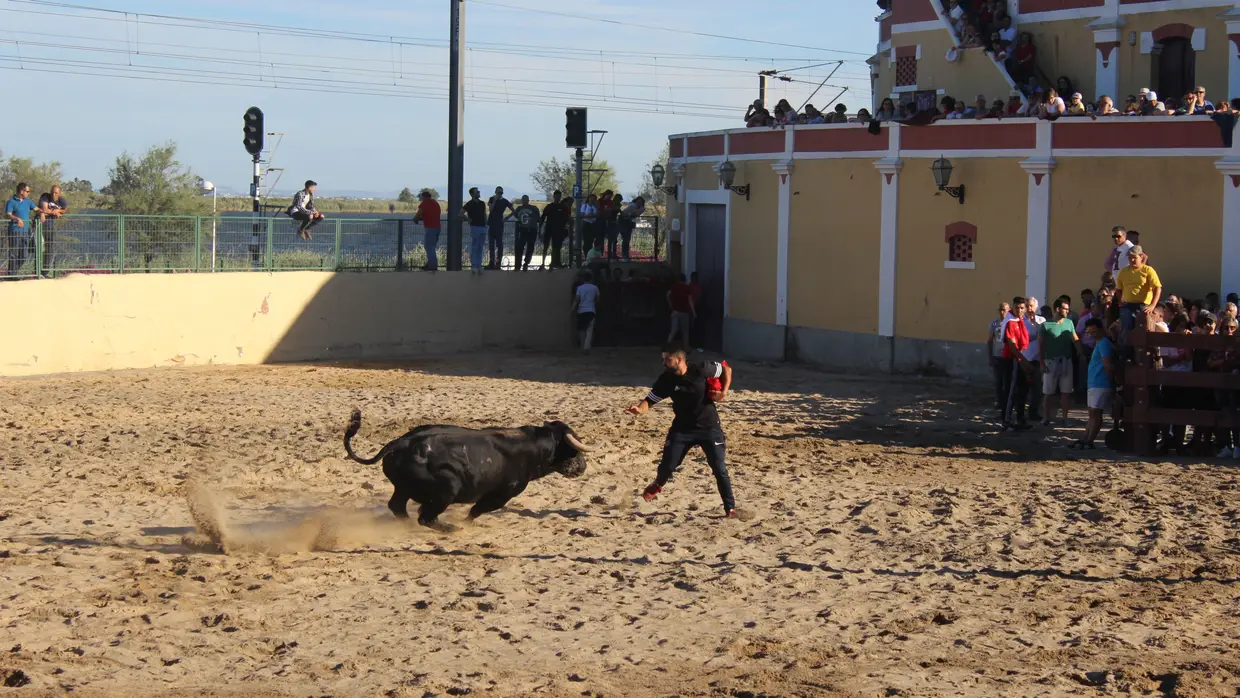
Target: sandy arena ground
{"points": [[896, 545]]}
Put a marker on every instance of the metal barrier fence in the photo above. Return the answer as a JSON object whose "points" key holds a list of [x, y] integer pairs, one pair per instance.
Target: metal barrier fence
{"points": [[167, 244]]}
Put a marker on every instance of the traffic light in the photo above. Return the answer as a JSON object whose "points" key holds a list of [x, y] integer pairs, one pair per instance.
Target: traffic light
{"points": [[575, 126], [253, 131]]}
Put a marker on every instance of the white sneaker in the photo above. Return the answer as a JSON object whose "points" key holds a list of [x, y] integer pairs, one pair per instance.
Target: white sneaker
{"points": [[1226, 452]]}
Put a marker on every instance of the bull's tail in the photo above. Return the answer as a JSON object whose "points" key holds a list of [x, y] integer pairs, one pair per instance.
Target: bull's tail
{"points": [[355, 423]]}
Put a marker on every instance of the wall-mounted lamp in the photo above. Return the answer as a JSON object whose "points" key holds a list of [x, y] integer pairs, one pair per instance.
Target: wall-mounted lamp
{"points": [[942, 169], [657, 174], [727, 175]]}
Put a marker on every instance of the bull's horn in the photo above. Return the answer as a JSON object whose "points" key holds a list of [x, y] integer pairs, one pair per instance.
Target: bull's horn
{"points": [[572, 440]]}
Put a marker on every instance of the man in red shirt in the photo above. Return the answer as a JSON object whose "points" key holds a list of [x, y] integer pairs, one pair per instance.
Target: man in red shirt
{"points": [[1016, 341], [680, 300], [429, 216]]}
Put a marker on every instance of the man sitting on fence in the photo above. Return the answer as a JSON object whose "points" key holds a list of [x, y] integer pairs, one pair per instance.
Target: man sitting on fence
{"points": [[303, 210], [1141, 289], [628, 223]]}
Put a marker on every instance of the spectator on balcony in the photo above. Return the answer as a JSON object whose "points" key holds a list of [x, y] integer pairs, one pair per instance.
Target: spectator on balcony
{"points": [[839, 115], [1014, 106], [863, 116], [1150, 106], [430, 216], [757, 115], [979, 109], [812, 116], [1024, 58], [1076, 107], [1064, 86], [1105, 107], [785, 115], [1201, 105], [886, 110], [970, 37], [1006, 31], [303, 210], [554, 220], [956, 15], [1053, 107], [995, 112], [998, 47], [1132, 107]]}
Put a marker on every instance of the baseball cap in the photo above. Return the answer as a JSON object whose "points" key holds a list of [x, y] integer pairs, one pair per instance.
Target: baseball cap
{"points": [[1076, 95], [1143, 90], [1152, 96]]}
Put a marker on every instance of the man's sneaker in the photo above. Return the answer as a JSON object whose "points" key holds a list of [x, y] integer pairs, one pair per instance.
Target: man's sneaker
{"points": [[1225, 453], [652, 491]]}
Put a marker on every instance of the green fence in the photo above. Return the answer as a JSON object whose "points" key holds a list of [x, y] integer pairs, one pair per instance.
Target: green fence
{"points": [[113, 244]]}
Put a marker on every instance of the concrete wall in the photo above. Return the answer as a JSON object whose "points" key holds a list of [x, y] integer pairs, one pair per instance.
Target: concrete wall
{"points": [[1066, 47], [108, 322]]}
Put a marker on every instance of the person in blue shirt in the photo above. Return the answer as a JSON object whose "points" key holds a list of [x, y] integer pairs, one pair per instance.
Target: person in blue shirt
{"points": [[18, 211], [1101, 381]]}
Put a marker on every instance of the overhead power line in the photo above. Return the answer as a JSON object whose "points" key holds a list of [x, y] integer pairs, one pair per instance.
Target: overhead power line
{"points": [[606, 20]]}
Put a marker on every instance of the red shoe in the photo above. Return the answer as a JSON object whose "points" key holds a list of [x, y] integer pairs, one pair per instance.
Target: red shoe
{"points": [[652, 491], [731, 514]]}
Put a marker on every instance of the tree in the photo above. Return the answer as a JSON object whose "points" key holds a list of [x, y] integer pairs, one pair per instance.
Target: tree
{"points": [[155, 184], [79, 186], [40, 176], [405, 196], [553, 174], [653, 195]]}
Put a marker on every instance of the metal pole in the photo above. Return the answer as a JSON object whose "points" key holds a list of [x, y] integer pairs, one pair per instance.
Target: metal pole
{"points": [[255, 258], [213, 220], [764, 81], [456, 142], [578, 196]]}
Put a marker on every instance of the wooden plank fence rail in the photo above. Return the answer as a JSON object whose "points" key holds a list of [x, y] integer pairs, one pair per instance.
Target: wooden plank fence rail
{"points": [[1140, 416]]}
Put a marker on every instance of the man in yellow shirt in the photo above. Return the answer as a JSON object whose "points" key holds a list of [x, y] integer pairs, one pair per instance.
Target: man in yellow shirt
{"points": [[1140, 291]]}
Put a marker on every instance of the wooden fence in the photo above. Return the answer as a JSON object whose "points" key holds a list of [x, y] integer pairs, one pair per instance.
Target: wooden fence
{"points": [[1138, 407]]}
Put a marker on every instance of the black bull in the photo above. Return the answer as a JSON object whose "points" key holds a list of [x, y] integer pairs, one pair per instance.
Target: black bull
{"points": [[440, 465]]}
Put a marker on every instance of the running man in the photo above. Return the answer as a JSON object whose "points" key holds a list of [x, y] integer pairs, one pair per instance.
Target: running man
{"points": [[585, 309], [696, 422]]}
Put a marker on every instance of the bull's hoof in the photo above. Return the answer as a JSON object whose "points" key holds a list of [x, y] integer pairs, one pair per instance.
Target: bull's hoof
{"points": [[440, 526]]}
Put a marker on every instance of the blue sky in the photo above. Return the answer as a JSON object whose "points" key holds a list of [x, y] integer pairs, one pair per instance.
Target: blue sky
{"points": [[377, 118]]}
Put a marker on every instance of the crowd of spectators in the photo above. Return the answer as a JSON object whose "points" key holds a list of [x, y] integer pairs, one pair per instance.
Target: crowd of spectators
{"points": [[785, 114], [1037, 352]]}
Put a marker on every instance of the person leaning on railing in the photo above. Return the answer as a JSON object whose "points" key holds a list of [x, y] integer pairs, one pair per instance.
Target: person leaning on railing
{"points": [[18, 211]]}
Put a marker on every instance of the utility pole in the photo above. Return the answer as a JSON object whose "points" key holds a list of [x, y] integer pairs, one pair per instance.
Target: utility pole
{"points": [[764, 81], [456, 142], [578, 194]]}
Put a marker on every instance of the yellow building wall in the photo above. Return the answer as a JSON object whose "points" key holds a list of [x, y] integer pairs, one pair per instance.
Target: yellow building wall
{"points": [[1175, 203], [956, 304], [751, 274], [833, 245], [701, 175], [110, 322], [1135, 68], [1066, 48], [974, 73]]}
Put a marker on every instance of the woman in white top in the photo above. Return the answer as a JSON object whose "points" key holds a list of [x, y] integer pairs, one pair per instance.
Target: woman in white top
{"points": [[1055, 106]]}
